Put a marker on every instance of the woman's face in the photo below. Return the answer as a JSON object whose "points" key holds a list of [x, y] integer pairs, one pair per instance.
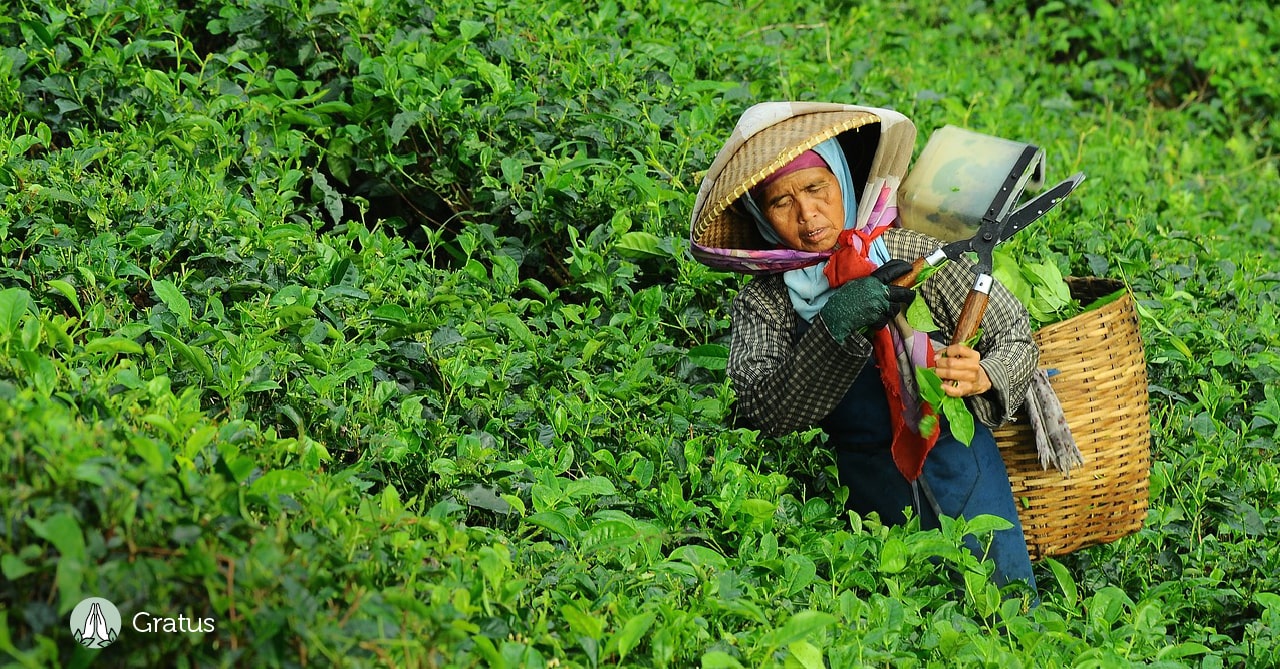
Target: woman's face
{"points": [[805, 208]]}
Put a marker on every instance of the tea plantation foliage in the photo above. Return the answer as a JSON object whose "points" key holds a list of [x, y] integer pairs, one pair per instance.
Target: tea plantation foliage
{"points": [[368, 329]]}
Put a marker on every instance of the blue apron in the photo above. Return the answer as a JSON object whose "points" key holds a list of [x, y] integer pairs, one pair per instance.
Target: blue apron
{"points": [[964, 481]]}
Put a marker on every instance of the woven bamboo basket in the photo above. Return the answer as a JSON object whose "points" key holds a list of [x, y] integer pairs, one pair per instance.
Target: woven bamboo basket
{"points": [[1102, 385]]}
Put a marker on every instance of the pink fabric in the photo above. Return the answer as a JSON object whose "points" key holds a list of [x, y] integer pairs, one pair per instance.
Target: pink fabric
{"points": [[805, 160]]}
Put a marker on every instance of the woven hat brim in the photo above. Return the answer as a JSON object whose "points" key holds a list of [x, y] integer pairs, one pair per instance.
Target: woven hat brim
{"points": [[719, 225]]}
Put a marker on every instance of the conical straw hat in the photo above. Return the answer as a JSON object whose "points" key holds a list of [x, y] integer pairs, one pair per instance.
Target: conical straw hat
{"points": [[767, 137]]}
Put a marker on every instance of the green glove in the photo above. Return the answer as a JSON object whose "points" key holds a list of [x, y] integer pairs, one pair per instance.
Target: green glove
{"points": [[867, 303]]}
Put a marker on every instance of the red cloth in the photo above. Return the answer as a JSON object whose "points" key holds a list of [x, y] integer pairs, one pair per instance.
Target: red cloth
{"points": [[849, 261], [910, 448]]}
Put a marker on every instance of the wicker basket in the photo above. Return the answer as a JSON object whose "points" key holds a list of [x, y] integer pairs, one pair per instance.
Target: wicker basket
{"points": [[1102, 384]]}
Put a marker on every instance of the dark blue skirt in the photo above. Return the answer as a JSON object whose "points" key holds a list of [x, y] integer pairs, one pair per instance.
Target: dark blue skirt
{"points": [[963, 481]]}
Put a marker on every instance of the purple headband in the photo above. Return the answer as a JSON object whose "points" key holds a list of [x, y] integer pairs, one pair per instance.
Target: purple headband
{"points": [[805, 160]]}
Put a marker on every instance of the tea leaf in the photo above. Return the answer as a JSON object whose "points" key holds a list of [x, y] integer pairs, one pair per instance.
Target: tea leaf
{"points": [[919, 317], [714, 357], [553, 521], [959, 419], [799, 571], [401, 124], [1268, 600], [928, 425], [581, 622], [194, 355], [113, 345], [986, 523], [893, 556], [698, 556], [1006, 270], [799, 627], [469, 30], [593, 486], [14, 303], [143, 236], [1183, 650], [13, 567], [280, 482], [1065, 582], [173, 299], [64, 533], [632, 632], [638, 243], [805, 655], [930, 385], [68, 291], [718, 659]]}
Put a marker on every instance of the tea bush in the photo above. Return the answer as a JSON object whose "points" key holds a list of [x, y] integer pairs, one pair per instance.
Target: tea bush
{"points": [[368, 329]]}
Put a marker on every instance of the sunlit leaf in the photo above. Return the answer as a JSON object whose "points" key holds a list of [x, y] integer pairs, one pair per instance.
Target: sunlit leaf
{"points": [[959, 418], [710, 356], [112, 345], [799, 627], [805, 655], [893, 556], [1065, 582], [14, 302], [280, 482], [919, 317], [639, 243]]}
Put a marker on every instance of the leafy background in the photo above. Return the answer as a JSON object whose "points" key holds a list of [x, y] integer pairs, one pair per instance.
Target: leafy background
{"points": [[368, 329]]}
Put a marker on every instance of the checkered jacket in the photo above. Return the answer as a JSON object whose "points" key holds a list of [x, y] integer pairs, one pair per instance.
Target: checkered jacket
{"points": [[786, 381]]}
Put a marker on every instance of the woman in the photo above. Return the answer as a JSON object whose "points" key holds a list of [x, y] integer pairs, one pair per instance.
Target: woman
{"points": [[817, 340]]}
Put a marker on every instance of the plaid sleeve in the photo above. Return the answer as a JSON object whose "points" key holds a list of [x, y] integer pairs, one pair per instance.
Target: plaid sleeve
{"points": [[1009, 354], [783, 386]]}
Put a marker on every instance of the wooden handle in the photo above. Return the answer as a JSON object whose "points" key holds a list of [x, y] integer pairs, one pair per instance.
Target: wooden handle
{"points": [[908, 280], [971, 315]]}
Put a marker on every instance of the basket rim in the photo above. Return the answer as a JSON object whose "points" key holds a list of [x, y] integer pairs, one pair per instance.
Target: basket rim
{"points": [[1124, 302]]}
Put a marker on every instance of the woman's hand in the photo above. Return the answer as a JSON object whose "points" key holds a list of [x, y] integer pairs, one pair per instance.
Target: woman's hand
{"points": [[957, 366]]}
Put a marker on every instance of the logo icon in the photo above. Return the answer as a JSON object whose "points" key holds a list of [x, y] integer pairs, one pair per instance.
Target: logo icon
{"points": [[95, 623]]}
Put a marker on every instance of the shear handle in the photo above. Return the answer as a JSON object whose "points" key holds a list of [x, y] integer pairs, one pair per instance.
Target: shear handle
{"points": [[909, 279], [975, 307]]}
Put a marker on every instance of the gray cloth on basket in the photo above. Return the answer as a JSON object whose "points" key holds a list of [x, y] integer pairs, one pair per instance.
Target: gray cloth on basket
{"points": [[1054, 442]]}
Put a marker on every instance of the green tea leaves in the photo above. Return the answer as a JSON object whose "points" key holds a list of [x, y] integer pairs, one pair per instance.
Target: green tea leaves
{"points": [[1039, 286], [959, 418], [14, 304], [68, 291], [112, 345], [710, 356], [632, 632], [174, 300], [799, 627], [642, 244], [919, 316], [280, 482], [371, 331]]}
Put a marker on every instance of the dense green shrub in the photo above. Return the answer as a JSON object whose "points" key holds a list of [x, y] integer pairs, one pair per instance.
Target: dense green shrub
{"points": [[368, 329]]}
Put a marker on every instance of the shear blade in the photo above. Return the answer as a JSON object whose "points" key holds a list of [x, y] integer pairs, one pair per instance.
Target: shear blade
{"points": [[1038, 206]]}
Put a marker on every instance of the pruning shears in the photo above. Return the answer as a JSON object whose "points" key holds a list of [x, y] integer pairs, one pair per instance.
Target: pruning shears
{"points": [[1000, 222]]}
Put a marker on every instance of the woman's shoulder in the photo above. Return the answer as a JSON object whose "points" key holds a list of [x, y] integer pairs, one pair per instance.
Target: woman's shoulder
{"points": [[764, 287], [766, 293], [909, 244]]}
